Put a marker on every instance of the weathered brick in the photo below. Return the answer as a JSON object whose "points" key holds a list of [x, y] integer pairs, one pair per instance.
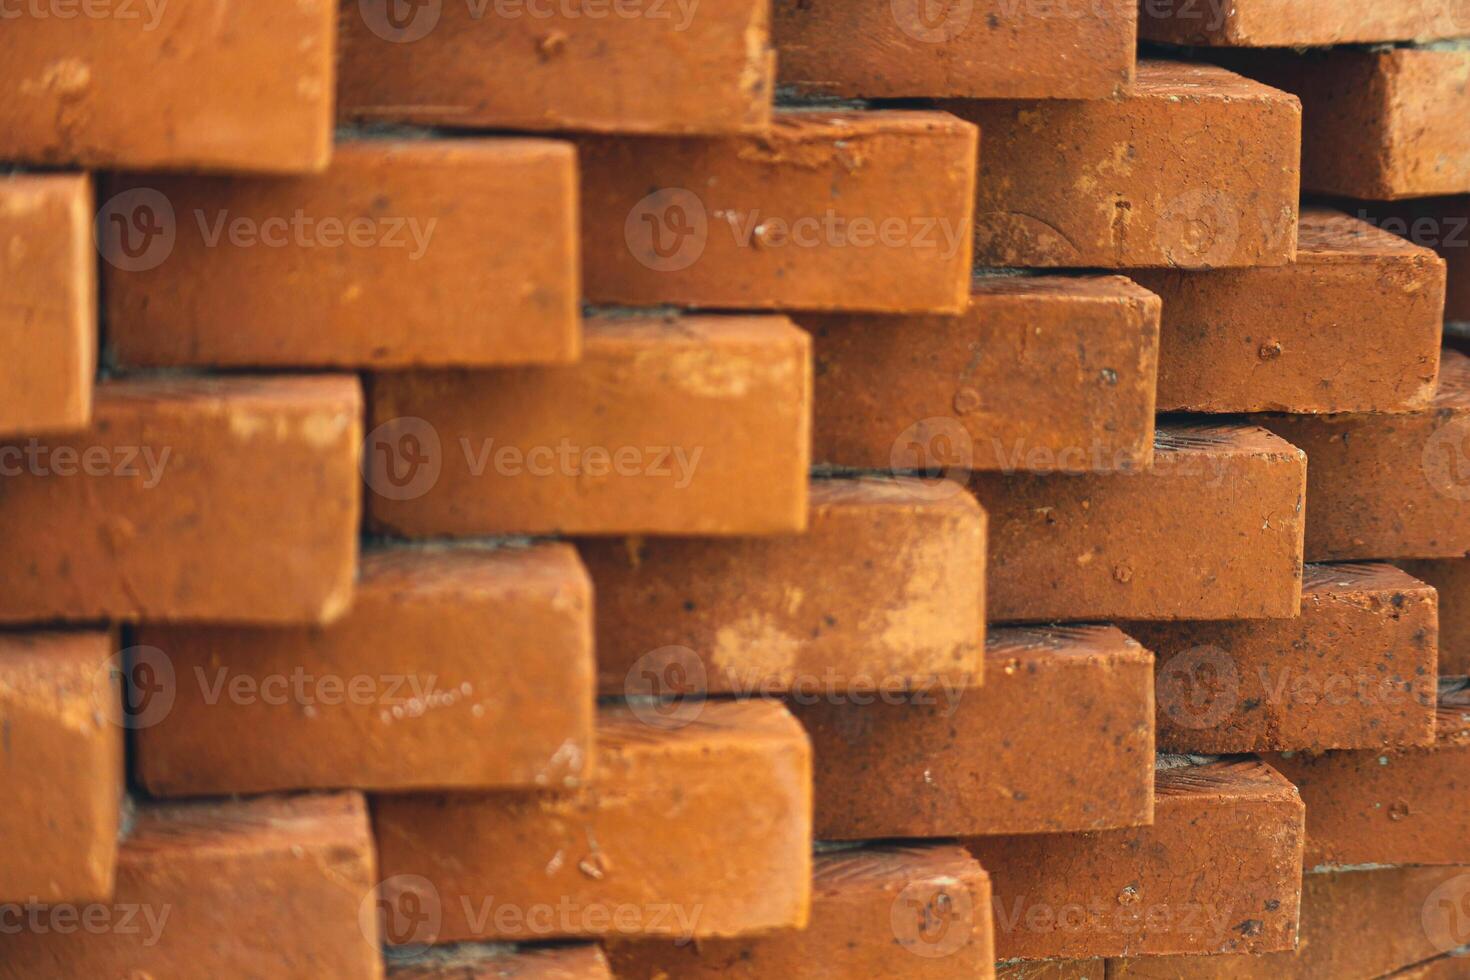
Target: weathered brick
{"points": [[1451, 580], [1051, 970], [1440, 223], [496, 962], [1300, 23]]}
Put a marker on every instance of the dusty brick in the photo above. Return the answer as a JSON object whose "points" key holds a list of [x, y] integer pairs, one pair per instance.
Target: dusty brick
{"points": [[485, 962], [1451, 580], [1300, 23], [270, 887], [987, 50], [1353, 325], [374, 254], [669, 425], [1051, 970], [863, 211], [1218, 872], [1137, 180], [920, 911], [48, 321], [1440, 223], [1212, 531], [62, 767], [1041, 373], [189, 498], [245, 85], [431, 654], [1355, 670], [986, 761], [697, 826]]}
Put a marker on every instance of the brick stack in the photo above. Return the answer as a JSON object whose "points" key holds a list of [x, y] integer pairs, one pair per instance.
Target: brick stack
{"points": [[652, 489]]}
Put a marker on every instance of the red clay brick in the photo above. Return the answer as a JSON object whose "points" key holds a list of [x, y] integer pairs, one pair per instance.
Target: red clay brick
{"points": [[1440, 223], [189, 498], [669, 425], [244, 85], [48, 321], [270, 887], [1051, 970], [1041, 373], [1355, 670], [431, 654], [1451, 580], [863, 211], [697, 828], [1218, 872], [475, 962], [1353, 325], [62, 767], [1300, 23], [1138, 180], [1212, 531], [986, 761], [992, 49], [373, 254]]}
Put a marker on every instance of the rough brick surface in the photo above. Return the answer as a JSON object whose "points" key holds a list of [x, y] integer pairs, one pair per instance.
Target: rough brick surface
{"points": [[1440, 223], [1300, 23], [1051, 970], [487, 962], [1451, 580]]}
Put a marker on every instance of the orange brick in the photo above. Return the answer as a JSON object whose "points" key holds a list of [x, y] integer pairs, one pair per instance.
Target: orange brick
{"points": [[431, 654], [1042, 373], [244, 85], [271, 887], [986, 761], [62, 767], [1451, 580], [1218, 872], [825, 211], [189, 498], [374, 254], [1212, 531], [992, 49], [901, 603], [1440, 223], [1050, 970], [699, 827], [1301, 23], [477, 962], [920, 911], [48, 322], [669, 425], [1305, 337], [1150, 164], [647, 67]]}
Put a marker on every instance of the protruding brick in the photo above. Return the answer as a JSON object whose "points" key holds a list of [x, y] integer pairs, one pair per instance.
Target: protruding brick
{"points": [[1051, 970], [697, 824], [1212, 531], [1356, 669], [432, 654], [920, 911], [992, 49], [1300, 23], [48, 320], [1440, 223], [862, 211], [403, 253], [1137, 180], [61, 767], [271, 887], [1353, 325], [987, 761], [1451, 580], [1218, 872], [244, 85], [487, 962], [669, 425], [1041, 373], [189, 498], [1388, 486]]}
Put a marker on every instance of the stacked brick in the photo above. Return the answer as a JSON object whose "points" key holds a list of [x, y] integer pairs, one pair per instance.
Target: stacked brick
{"points": [[749, 488]]}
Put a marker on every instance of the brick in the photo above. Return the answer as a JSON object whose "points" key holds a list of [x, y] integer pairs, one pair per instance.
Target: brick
{"points": [[986, 50], [1451, 580], [919, 911], [1041, 373], [696, 826], [1301, 23], [269, 887], [244, 86], [1149, 161], [48, 322], [1357, 669], [373, 254], [1388, 486], [900, 602], [1051, 970], [62, 767], [1440, 223], [431, 654], [865, 211], [189, 499], [986, 761], [498, 963], [1212, 531], [669, 425], [1353, 325], [1218, 872]]}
